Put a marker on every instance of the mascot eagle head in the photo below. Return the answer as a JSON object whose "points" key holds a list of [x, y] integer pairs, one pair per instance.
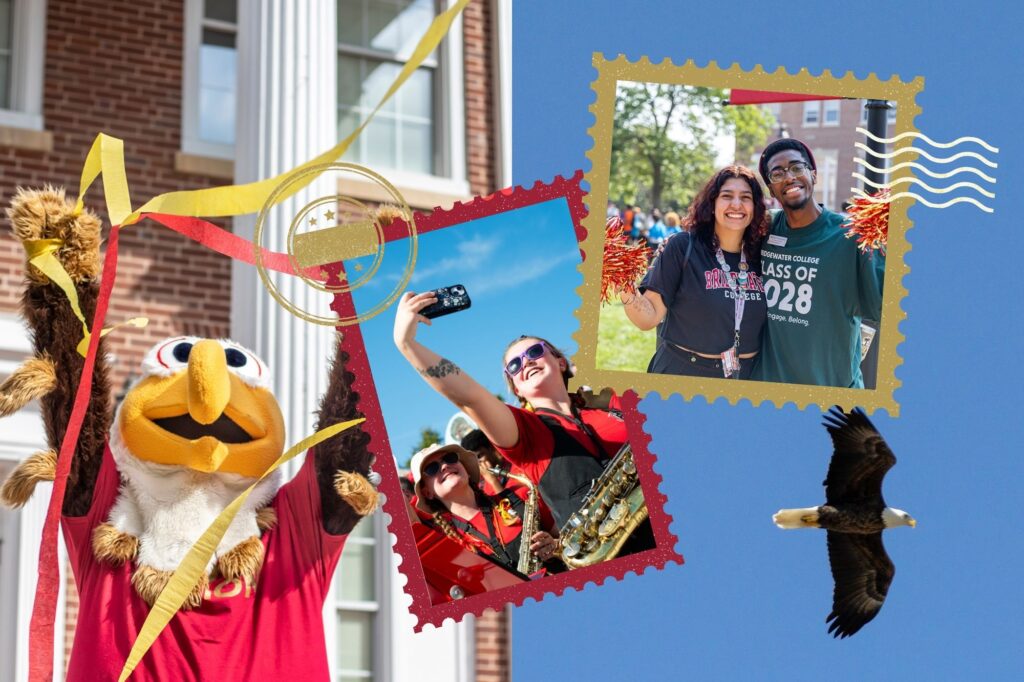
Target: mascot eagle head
{"points": [[192, 433]]}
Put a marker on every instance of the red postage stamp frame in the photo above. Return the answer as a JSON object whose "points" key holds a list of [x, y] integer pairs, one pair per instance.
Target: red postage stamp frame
{"points": [[514, 256]]}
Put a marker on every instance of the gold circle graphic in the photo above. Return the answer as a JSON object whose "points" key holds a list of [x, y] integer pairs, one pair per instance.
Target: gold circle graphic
{"points": [[293, 184]]}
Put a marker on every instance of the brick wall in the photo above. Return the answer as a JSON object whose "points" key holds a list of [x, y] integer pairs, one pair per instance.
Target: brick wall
{"points": [[493, 662], [480, 136]]}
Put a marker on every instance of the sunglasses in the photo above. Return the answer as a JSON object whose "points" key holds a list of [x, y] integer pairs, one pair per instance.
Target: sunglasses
{"points": [[534, 352], [434, 467]]}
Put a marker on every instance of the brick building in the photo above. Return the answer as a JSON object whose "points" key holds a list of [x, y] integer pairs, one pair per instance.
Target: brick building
{"points": [[176, 80], [829, 129]]}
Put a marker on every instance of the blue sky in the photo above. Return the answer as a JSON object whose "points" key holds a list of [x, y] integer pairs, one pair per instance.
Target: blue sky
{"points": [[519, 268], [751, 601]]}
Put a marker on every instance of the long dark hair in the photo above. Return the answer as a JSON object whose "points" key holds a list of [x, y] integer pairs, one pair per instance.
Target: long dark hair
{"points": [[700, 221]]}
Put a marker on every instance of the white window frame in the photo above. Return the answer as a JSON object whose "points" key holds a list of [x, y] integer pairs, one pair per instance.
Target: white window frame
{"points": [[450, 177], [828, 176], [812, 107], [379, 607], [21, 434], [191, 143], [28, 61], [831, 106]]}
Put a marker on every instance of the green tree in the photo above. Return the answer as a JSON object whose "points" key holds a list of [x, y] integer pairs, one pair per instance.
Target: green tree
{"points": [[428, 437], [663, 141]]}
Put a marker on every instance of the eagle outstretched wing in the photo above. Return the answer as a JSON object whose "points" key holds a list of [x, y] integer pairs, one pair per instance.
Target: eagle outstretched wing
{"points": [[860, 458], [862, 572]]}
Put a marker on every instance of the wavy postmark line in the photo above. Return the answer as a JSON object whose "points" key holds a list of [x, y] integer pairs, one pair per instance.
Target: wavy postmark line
{"points": [[910, 195], [934, 159], [916, 135], [933, 190], [925, 169]]}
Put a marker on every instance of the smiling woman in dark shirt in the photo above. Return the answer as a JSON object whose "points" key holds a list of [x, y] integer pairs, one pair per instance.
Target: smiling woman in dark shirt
{"points": [[704, 290]]}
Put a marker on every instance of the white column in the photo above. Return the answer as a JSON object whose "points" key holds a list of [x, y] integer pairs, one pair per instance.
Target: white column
{"points": [[287, 112]]}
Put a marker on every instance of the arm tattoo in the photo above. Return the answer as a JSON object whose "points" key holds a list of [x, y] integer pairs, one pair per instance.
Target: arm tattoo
{"points": [[641, 303], [441, 369]]}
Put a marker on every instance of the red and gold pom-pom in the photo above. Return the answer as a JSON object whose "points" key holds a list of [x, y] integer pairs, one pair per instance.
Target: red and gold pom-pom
{"points": [[623, 264], [869, 221]]}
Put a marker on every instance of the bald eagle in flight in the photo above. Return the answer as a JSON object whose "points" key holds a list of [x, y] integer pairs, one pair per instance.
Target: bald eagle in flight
{"points": [[854, 514]]}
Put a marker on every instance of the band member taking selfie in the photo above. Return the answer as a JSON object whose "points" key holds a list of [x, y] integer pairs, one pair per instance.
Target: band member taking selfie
{"points": [[561, 447]]}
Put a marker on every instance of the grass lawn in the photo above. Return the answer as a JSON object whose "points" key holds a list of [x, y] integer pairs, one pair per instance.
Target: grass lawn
{"points": [[620, 345]]}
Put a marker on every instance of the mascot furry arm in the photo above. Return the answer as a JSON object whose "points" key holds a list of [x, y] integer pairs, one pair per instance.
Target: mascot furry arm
{"points": [[52, 375]]}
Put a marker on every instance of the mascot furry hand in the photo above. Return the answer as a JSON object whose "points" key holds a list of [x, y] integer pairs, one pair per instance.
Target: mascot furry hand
{"points": [[196, 430]]}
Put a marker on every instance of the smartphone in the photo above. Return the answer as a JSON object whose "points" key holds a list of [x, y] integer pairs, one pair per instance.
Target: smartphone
{"points": [[449, 300]]}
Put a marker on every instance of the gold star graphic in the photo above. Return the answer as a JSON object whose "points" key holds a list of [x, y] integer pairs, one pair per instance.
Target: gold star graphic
{"points": [[329, 214], [312, 221], [359, 267]]}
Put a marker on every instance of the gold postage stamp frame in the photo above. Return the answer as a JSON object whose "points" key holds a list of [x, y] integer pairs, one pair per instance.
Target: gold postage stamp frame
{"points": [[610, 74]]}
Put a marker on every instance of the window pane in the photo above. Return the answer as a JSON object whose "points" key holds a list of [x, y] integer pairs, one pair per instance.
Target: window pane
{"points": [[417, 147], [415, 20], [221, 10], [350, 22], [218, 38], [379, 77], [355, 577], [355, 640], [349, 81], [416, 98], [217, 68], [5, 83], [5, 26], [381, 143], [348, 120], [384, 25]]}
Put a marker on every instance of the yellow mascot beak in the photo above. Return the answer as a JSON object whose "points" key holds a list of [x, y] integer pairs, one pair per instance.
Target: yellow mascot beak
{"points": [[209, 385], [204, 417]]}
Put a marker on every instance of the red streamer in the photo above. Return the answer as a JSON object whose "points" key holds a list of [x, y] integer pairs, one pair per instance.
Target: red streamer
{"points": [[44, 609]]}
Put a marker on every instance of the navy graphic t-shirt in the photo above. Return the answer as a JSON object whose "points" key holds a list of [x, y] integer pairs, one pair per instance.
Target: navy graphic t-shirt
{"points": [[701, 311]]}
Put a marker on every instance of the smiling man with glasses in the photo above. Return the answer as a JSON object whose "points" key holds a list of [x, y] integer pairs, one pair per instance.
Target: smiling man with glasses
{"points": [[818, 284]]}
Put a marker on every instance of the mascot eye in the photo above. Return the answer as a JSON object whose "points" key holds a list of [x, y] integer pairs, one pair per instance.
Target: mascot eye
{"points": [[181, 351], [242, 362], [235, 357]]}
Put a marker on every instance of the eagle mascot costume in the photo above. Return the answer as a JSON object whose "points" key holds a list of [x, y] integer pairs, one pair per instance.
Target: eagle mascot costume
{"points": [[198, 427]]}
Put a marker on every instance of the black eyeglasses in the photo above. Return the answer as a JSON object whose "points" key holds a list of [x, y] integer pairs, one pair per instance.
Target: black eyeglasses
{"points": [[435, 466], [796, 169], [534, 352]]}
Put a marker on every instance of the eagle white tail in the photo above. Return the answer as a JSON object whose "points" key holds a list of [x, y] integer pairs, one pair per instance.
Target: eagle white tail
{"points": [[796, 518]]}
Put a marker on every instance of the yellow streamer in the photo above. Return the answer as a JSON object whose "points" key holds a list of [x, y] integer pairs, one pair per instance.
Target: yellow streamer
{"points": [[194, 564], [41, 254], [107, 156]]}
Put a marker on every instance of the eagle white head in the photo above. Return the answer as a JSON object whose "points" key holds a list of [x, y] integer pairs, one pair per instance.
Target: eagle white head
{"points": [[893, 517]]}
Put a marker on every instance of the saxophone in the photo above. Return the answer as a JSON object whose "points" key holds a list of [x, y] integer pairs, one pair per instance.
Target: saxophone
{"points": [[610, 512], [529, 563]]}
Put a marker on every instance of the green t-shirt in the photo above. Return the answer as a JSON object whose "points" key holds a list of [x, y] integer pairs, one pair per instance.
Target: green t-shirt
{"points": [[819, 286]]}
